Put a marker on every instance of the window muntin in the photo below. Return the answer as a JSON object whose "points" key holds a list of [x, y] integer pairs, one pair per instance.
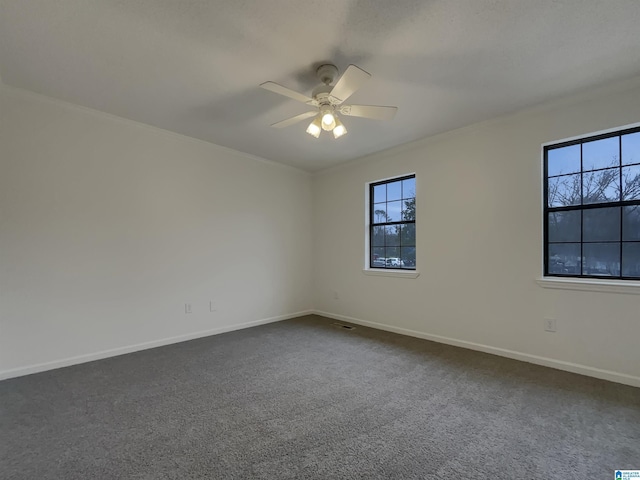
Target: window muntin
{"points": [[592, 207], [392, 223]]}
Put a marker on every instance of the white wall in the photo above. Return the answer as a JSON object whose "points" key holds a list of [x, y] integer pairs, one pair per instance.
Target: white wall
{"points": [[479, 227], [108, 227]]}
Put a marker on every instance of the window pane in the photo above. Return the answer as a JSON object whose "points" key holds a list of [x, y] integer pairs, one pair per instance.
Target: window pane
{"points": [[409, 188], [377, 239], [564, 258], [631, 183], [409, 209], [392, 253], [601, 186], [631, 259], [631, 223], [601, 259], [563, 191], [564, 226], [377, 255], [563, 160], [408, 235], [392, 201], [601, 153], [394, 191], [602, 241], [380, 213], [394, 211], [380, 193], [408, 256], [601, 224], [391, 237], [631, 148]]}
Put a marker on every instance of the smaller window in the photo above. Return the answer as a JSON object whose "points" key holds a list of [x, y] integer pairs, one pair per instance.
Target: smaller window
{"points": [[392, 221]]}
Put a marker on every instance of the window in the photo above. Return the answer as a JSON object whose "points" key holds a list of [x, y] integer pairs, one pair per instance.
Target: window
{"points": [[392, 221], [592, 207]]}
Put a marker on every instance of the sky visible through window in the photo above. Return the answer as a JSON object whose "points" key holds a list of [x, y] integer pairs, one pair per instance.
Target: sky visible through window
{"points": [[592, 212], [596, 155]]}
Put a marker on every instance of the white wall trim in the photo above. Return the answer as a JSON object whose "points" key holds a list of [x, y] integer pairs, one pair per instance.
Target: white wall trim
{"points": [[591, 285], [525, 357], [609, 375], [391, 273], [65, 362]]}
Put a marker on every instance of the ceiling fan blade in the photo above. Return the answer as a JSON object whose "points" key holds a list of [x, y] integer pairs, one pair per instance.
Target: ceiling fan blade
{"points": [[287, 92], [369, 111], [296, 119], [350, 81]]}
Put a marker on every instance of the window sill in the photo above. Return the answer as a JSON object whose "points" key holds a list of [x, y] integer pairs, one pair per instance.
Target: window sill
{"points": [[591, 285], [391, 273]]}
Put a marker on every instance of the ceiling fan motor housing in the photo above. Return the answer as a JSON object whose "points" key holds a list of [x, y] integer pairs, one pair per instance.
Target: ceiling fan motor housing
{"points": [[322, 93], [327, 73]]}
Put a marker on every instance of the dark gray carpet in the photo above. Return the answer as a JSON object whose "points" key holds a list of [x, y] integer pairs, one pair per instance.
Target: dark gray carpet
{"points": [[304, 399]]}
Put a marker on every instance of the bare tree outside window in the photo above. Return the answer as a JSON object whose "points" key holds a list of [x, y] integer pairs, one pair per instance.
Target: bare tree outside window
{"points": [[592, 207]]}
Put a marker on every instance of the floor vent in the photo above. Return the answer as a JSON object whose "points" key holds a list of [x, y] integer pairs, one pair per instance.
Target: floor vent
{"points": [[342, 325]]}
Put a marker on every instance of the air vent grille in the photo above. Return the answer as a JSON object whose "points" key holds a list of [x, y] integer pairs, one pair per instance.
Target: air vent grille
{"points": [[342, 325]]}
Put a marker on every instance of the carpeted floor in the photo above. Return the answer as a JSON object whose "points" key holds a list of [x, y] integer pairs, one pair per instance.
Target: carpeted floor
{"points": [[302, 399]]}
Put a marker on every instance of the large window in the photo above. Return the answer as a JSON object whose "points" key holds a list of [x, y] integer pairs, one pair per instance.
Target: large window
{"points": [[592, 207], [392, 220]]}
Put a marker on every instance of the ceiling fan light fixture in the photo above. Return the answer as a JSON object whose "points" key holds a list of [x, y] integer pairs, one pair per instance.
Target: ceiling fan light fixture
{"points": [[327, 127], [328, 100], [339, 129], [328, 119], [314, 128]]}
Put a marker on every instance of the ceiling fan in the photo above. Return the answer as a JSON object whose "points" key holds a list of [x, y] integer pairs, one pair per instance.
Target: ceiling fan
{"points": [[329, 101]]}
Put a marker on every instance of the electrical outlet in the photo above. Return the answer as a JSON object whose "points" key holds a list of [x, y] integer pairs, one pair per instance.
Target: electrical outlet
{"points": [[187, 308], [550, 324], [212, 306]]}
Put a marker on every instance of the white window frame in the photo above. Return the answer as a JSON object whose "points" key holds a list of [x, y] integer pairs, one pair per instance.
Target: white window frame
{"points": [[574, 283], [386, 272]]}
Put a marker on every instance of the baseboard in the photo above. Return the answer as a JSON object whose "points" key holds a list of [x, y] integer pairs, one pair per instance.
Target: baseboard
{"points": [[66, 362], [525, 357]]}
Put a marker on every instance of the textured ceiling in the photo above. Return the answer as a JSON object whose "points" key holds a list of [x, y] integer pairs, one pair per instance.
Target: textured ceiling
{"points": [[194, 66]]}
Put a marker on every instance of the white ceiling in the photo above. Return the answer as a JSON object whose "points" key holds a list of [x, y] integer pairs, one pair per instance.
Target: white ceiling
{"points": [[194, 66]]}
